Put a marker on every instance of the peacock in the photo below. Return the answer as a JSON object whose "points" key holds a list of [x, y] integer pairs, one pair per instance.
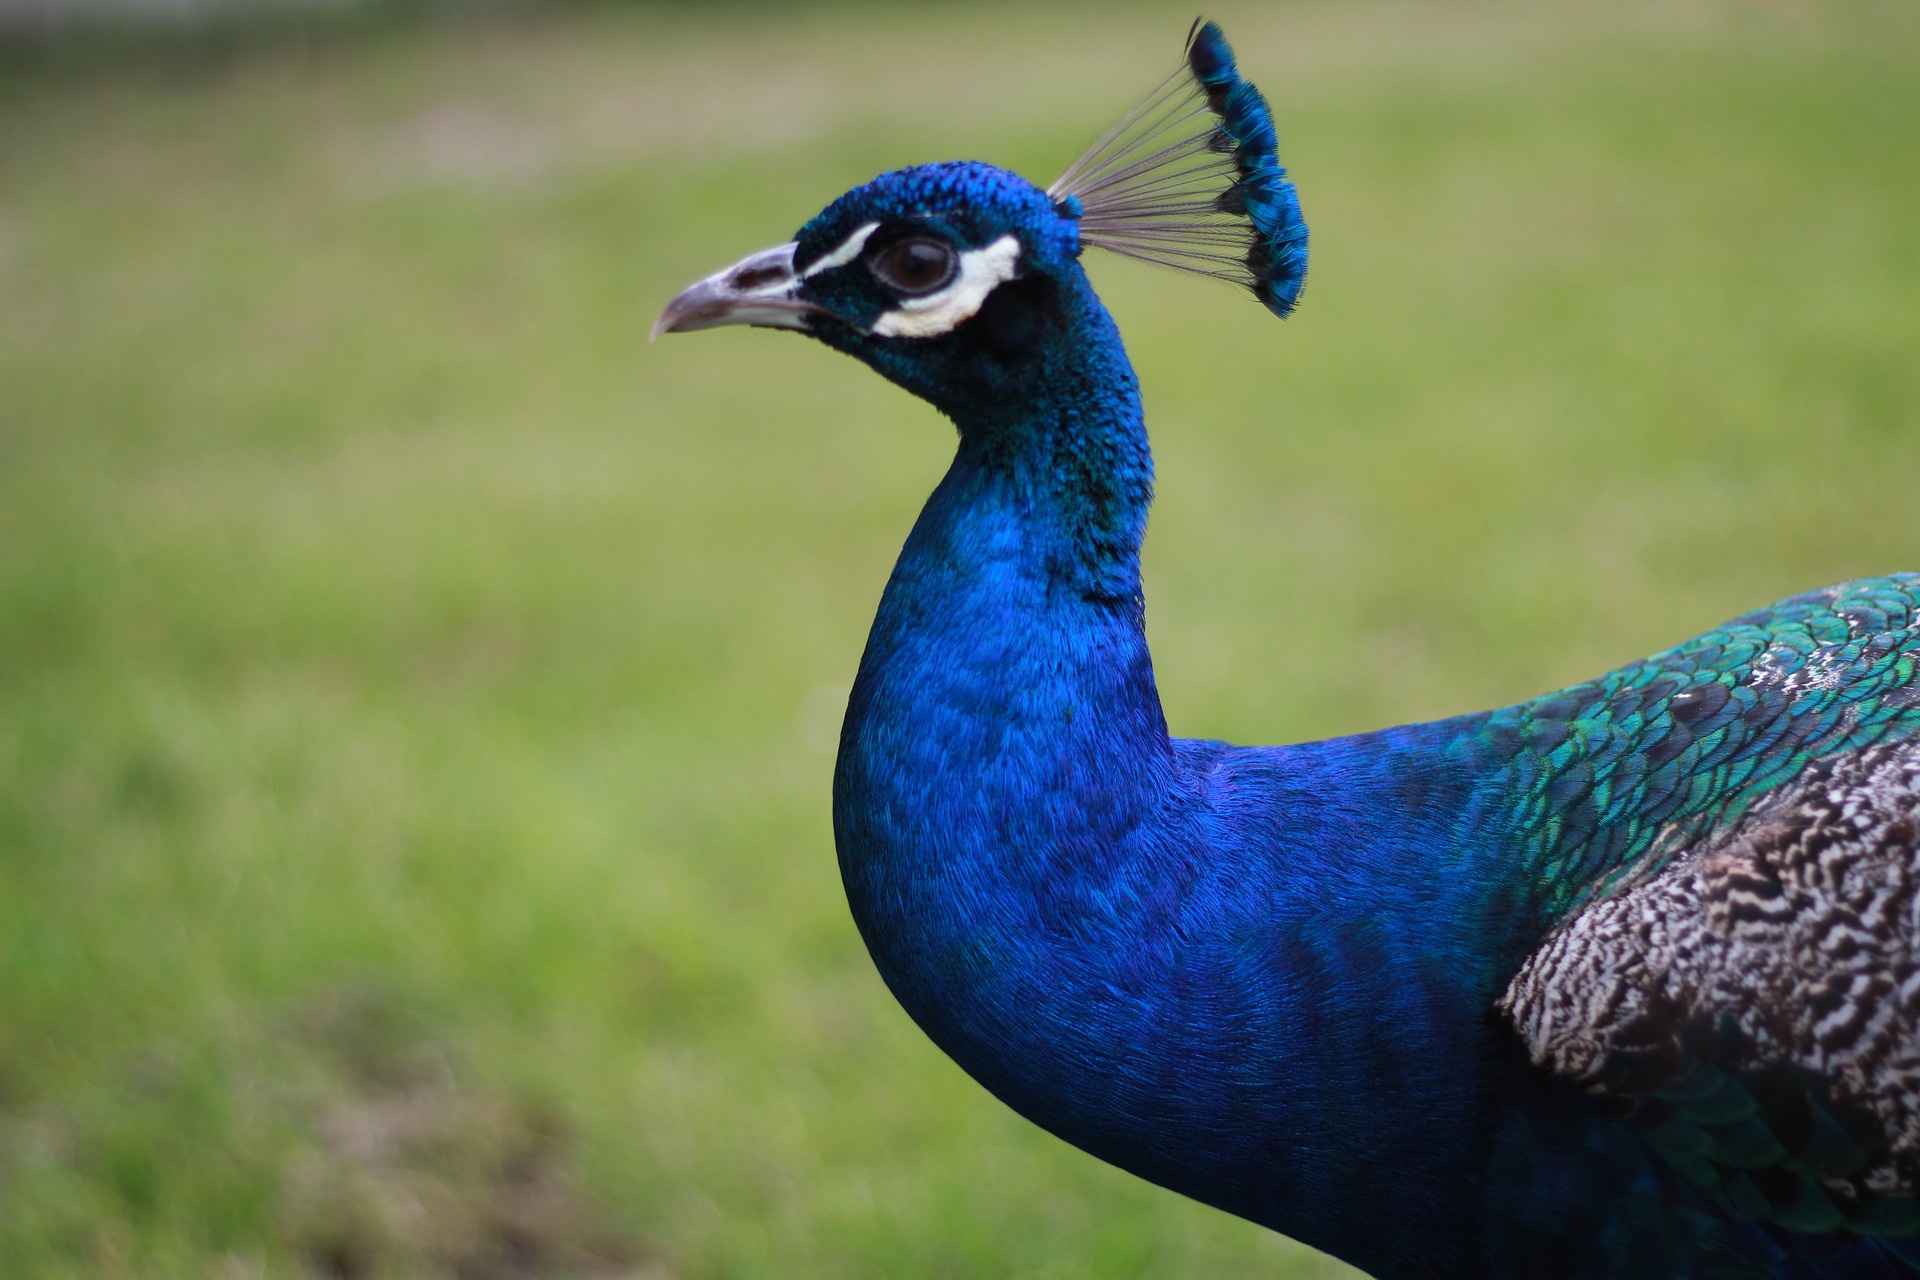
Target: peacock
{"points": [[1622, 981]]}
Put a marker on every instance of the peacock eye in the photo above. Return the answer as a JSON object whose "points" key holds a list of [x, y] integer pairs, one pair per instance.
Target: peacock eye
{"points": [[916, 266]]}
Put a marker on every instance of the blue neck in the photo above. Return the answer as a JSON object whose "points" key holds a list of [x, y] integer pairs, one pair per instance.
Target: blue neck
{"points": [[1140, 942], [1005, 717]]}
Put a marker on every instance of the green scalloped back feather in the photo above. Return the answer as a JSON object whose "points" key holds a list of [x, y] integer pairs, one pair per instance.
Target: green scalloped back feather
{"points": [[1615, 777]]}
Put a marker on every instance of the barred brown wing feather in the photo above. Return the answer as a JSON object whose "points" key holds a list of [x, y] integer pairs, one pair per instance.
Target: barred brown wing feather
{"points": [[1754, 1008]]}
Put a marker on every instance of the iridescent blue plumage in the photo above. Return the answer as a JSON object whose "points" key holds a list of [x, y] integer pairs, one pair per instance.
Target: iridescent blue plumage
{"points": [[1622, 981]]}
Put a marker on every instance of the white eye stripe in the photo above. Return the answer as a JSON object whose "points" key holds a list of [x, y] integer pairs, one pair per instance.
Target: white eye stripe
{"points": [[849, 250], [981, 272]]}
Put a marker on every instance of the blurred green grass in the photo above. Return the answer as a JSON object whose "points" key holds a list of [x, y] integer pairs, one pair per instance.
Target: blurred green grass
{"points": [[416, 692]]}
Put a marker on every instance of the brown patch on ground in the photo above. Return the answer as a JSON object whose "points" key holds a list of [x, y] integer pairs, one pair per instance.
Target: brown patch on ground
{"points": [[413, 1172]]}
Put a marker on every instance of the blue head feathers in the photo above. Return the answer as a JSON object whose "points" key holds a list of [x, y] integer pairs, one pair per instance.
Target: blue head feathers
{"points": [[956, 212], [943, 278], [1191, 178]]}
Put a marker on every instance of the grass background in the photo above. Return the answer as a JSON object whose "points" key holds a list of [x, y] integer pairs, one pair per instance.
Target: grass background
{"points": [[417, 693]]}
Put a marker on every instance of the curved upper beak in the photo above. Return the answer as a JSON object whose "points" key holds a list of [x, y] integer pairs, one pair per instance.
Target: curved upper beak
{"points": [[759, 289]]}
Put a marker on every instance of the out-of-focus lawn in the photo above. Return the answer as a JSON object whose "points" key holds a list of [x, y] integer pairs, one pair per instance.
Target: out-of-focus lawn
{"points": [[416, 692]]}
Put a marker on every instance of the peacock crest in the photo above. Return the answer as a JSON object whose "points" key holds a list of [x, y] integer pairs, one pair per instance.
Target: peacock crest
{"points": [[1191, 179]]}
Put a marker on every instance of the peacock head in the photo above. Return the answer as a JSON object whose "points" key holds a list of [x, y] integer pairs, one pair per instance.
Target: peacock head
{"points": [[942, 277], [934, 275]]}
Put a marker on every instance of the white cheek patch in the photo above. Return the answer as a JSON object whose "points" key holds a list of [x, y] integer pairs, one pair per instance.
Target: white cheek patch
{"points": [[981, 272], [849, 250]]}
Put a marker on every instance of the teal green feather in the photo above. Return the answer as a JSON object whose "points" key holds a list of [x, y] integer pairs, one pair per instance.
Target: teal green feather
{"points": [[1612, 778]]}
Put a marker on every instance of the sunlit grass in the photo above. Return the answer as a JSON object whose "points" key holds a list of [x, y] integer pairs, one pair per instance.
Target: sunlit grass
{"points": [[416, 691]]}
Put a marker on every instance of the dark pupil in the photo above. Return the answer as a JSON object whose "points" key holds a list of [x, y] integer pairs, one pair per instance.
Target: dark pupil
{"points": [[918, 265]]}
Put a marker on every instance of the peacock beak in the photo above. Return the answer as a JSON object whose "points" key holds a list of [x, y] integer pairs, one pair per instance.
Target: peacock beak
{"points": [[760, 290]]}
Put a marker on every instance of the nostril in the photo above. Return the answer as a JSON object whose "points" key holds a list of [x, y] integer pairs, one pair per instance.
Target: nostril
{"points": [[751, 278]]}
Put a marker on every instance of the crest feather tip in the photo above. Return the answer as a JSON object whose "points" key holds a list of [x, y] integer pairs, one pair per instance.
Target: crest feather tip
{"points": [[1191, 178]]}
